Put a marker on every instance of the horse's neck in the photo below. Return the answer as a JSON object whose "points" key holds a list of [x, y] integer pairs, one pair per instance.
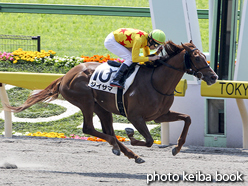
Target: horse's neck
{"points": [[167, 78]]}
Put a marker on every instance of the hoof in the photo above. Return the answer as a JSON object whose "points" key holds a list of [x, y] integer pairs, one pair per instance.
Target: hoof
{"points": [[116, 152], [139, 160], [129, 131], [174, 151]]}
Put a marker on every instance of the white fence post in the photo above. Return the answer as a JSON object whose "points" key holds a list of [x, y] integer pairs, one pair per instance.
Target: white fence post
{"points": [[165, 137], [244, 116], [7, 112]]}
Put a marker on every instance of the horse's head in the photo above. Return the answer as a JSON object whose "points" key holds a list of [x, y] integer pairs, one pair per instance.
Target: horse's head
{"points": [[196, 64]]}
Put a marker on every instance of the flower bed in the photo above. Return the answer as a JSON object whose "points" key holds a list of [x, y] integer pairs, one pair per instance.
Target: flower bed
{"points": [[49, 58], [72, 136]]}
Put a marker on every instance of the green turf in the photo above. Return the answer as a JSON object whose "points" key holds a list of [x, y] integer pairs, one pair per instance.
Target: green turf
{"points": [[76, 35]]}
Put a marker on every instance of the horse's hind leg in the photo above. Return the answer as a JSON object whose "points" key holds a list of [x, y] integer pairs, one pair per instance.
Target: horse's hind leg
{"points": [[107, 127], [175, 116], [88, 128], [84, 100]]}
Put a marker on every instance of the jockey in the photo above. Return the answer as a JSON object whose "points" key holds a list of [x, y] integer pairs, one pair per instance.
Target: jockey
{"points": [[127, 42]]}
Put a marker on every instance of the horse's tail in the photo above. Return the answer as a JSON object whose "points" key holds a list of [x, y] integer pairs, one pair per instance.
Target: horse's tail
{"points": [[48, 94]]}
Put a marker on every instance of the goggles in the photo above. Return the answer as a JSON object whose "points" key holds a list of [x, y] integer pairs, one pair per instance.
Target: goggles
{"points": [[154, 43]]}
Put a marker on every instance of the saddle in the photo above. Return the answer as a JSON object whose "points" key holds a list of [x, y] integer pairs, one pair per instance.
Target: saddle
{"points": [[104, 73]]}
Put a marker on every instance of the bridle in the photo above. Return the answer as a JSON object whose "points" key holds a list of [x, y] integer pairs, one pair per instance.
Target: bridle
{"points": [[189, 68]]}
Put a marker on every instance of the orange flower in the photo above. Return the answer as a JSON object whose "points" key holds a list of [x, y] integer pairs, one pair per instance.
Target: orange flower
{"points": [[102, 140], [121, 138], [97, 58]]}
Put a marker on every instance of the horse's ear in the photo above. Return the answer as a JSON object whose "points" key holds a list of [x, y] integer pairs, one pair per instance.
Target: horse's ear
{"points": [[186, 47], [192, 43]]}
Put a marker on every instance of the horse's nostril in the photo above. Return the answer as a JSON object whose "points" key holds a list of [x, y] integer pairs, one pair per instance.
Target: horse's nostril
{"points": [[214, 77]]}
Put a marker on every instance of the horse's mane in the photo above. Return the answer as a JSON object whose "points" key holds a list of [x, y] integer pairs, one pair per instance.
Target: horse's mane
{"points": [[171, 50]]}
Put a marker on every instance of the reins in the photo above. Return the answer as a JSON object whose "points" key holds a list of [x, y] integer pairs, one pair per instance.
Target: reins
{"points": [[187, 69]]}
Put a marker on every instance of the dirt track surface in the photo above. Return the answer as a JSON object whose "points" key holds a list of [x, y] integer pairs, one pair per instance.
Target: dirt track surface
{"points": [[61, 162]]}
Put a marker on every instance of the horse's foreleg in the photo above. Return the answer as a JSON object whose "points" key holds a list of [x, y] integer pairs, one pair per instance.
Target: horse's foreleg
{"points": [[175, 116], [107, 127]]}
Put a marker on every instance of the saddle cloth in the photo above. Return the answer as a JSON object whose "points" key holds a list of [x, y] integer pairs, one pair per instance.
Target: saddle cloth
{"points": [[104, 73]]}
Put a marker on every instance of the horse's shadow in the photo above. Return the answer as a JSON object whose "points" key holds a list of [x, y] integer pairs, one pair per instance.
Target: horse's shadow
{"points": [[214, 150], [100, 174]]}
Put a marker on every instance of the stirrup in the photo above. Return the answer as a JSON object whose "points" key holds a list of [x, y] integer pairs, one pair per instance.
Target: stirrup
{"points": [[116, 84]]}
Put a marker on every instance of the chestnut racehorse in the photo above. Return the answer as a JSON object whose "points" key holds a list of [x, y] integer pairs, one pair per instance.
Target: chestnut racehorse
{"points": [[148, 98]]}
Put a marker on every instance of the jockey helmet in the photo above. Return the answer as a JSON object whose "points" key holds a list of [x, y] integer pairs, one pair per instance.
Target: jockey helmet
{"points": [[158, 36]]}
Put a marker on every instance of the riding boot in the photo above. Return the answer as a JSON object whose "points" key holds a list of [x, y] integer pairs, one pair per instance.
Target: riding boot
{"points": [[116, 82]]}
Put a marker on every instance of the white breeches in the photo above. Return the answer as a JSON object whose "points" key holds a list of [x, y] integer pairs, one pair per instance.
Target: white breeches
{"points": [[116, 48]]}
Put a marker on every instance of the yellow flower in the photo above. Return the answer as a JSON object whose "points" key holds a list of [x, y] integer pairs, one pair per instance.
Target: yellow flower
{"points": [[157, 141], [30, 55], [52, 52], [15, 61]]}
